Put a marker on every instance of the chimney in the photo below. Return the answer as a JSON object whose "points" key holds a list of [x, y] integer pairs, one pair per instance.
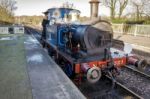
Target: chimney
{"points": [[94, 8]]}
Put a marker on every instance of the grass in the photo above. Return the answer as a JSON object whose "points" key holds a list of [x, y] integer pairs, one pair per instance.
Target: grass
{"points": [[14, 81]]}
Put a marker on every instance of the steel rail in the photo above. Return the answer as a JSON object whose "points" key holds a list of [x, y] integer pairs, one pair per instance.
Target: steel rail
{"points": [[126, 88], [137, 71]]}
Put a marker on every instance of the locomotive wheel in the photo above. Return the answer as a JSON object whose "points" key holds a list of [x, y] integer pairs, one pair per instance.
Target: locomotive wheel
{"points": [[94, 74], [142, 64]]}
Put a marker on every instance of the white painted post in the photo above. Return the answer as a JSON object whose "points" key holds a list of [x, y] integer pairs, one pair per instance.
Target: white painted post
{"points": [[135, 32], [122, 28]]}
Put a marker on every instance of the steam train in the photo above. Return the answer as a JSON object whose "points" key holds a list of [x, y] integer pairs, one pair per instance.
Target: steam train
{"points": [[84, 50]]}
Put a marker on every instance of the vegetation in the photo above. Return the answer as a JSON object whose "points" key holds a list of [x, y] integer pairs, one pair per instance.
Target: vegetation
{"points": [[139, 12], [131, 21], [6, 17], [29, 20], [7, 8], [116, 7]]}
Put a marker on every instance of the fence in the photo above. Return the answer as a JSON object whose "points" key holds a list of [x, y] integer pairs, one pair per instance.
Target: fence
{"points": [[136, 30], [11, 29]]}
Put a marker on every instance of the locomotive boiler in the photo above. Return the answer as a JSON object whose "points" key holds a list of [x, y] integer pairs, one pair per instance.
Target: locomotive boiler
{"points": [[84, 50]]}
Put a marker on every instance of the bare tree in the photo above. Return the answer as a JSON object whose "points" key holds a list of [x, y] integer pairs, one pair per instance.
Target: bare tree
{"points": [[122, 5], [147, 8], [9, 5], [111, 4], [7, 8], [140, 7]]}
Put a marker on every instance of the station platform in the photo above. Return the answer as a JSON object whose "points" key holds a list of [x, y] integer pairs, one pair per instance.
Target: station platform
{"points": [[27, 72], [138, 42]]}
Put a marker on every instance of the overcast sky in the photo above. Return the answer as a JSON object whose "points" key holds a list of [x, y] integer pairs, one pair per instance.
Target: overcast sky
{"points": [[36, 7]]}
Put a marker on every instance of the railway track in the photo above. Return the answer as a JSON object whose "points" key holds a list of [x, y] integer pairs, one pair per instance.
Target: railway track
{"points": [[137, 71], [103, 90], [129, 82], [135, 81], [122, 87]]}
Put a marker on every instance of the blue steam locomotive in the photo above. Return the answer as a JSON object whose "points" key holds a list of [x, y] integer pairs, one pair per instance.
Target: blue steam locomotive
{"points": [[82, 50]]}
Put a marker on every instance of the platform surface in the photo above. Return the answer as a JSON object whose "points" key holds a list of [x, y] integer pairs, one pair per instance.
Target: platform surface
{"points": [[141, 44], [137, 40], [14, 80], [27, 72]]}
